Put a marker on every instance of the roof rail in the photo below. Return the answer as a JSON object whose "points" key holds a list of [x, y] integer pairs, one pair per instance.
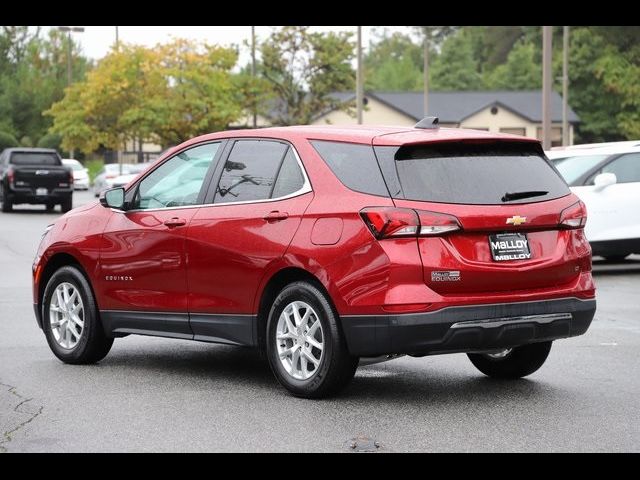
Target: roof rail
{"points": [[428, 123]]}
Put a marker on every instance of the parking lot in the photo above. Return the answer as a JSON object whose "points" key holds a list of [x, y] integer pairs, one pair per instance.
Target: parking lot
{"points": [[152, 394]]}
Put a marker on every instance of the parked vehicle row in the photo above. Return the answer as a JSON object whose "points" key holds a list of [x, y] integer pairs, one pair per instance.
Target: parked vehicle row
{"points": [[324, 246], [607, 180]]}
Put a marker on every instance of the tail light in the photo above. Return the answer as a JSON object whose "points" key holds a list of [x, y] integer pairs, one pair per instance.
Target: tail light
{"points": [[10, 175], [574, 216], [389, 222], [70, 177], [110, 175]]}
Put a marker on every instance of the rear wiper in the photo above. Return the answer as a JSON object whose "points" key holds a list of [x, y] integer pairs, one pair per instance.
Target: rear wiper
{"points": [[519, 195]]}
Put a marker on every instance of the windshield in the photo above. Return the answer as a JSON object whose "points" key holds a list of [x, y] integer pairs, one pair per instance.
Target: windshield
{"points": [[74, 164], [34, 158], [572, 168]]}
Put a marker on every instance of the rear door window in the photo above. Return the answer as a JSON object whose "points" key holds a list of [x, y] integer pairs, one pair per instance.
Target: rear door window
{"points": [[476, 174], [249, 174]]}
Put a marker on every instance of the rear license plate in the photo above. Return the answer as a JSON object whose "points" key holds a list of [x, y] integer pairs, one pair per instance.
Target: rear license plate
{"points": [[509, 246], [41, 191]]}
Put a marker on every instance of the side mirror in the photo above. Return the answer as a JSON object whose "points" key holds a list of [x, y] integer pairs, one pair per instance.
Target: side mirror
{"points": [[113, 198], [603, 180]]}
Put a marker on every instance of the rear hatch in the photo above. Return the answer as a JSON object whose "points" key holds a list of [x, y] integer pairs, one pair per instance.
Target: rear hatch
{"points": [[38, 171], [501, 205]]}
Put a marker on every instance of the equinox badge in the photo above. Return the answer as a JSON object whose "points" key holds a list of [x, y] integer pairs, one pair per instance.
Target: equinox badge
{"points": [[516, 220]]}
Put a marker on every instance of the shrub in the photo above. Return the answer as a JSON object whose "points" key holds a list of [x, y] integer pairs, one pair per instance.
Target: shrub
{"points": [[50, 140], [7, 141]]}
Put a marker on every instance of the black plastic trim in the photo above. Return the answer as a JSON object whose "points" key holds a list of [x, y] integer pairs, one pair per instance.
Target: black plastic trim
{"points": [[230, 329], [431, 332]]}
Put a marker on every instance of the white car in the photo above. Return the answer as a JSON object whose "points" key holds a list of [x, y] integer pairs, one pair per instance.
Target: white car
{"points": [[607, 180], [134, 171], [80, 173], [107, 174]]}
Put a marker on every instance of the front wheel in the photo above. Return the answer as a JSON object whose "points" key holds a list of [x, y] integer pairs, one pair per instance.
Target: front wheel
{"points": [[7, 204], [70, 319], [513, 362], [305, 346]]}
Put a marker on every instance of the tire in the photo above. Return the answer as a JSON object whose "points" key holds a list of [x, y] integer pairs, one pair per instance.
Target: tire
{"points": [[7, 204], [92, 344], [616, 258], [50, 207], [335, 368], [67, 204], [520, 362]]}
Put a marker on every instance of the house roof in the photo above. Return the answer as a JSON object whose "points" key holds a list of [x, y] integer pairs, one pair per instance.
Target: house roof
{"points": [[455, 107]]}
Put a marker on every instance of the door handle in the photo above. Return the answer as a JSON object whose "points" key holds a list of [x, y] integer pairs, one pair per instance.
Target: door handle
{"points": [[276, 216], [175, 222]]}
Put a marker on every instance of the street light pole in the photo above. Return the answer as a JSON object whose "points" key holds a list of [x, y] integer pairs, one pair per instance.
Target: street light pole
{"points": [[69, 68], [253, 72], [546, 86], [425, 64], [565, 87], [359, 78]]}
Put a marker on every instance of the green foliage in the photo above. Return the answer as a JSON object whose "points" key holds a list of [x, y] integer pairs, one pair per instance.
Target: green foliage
{"points": [[521, 71], [26, 141], [94, 167], [456, 68], [33, 75], [50, 140], [303, 70], [7, 140], [165, 94], [393, 63]]}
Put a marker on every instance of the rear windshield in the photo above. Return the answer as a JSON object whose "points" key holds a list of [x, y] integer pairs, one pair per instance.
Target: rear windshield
{"points": [[34, 158], [477, 174]]}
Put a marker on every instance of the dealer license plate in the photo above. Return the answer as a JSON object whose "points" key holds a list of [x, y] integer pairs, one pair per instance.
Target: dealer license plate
{"points": [[41, 191], [509, 246]]}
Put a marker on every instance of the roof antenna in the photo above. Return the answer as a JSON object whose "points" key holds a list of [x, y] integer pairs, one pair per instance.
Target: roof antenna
{"points": [[428, 123]]}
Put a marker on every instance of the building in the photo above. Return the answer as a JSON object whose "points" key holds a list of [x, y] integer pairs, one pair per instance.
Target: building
{"points": [[516, 112]]}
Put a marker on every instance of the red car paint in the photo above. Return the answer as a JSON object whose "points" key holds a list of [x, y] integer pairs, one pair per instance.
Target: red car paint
{"points": [[218, 259]]}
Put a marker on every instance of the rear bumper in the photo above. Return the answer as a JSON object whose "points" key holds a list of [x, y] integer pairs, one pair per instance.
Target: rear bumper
{"points": [[29, 196], [468, 329]]}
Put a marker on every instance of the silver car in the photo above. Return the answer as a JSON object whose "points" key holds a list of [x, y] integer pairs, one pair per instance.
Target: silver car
{"points": [[107, 174], [80, 173]]}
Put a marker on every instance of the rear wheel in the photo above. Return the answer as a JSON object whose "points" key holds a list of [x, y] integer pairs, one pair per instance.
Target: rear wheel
{"points": [[70, 319], [305, 346], [67, 204], [513, 362], [7, 204], [50, 207]]}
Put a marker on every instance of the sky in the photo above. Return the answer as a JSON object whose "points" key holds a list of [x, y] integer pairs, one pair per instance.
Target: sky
{"points": [[96, 40]]}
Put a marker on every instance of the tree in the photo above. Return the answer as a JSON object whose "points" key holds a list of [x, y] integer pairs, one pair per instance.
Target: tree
{"points": [[521, 71], [33, 77], [165, 94], [394, 62], [304, 69], [596, 105], [456, 68]]}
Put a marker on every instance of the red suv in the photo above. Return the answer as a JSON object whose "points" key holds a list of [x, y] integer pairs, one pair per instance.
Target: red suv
{"points": [[325, 247]]}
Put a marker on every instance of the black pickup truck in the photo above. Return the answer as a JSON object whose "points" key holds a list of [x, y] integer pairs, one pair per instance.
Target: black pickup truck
{"points": [[35, 176]]}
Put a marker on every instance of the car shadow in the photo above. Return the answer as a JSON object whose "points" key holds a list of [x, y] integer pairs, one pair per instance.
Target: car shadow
{"points": [[380, 383]]}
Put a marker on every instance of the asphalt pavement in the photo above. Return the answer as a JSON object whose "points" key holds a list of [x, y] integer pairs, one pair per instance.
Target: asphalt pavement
{"points": [[160, 395]]}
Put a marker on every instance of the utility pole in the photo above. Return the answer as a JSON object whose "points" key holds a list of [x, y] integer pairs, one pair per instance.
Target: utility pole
{"points": [[253, 72], [546, 86], [565, 87], [69, 67], [117, 38], [359, 86], [426, 71]]}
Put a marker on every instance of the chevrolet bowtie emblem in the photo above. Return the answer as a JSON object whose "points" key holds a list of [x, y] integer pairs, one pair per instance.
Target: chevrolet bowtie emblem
{"points": [[516, 220]]}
